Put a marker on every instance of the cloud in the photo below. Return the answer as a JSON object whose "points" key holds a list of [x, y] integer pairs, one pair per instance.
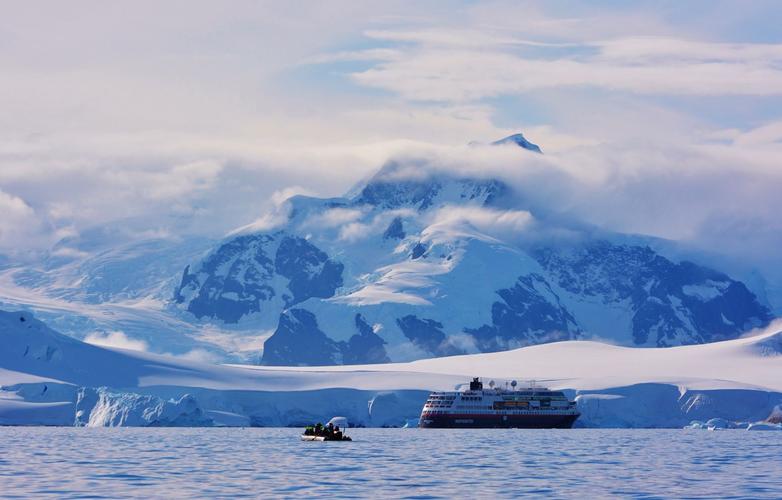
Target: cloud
{"points": [[379, 54], [333, 217], [200, 356], [768, 135], [14, 207], [718, 195], [645, 66], [357, 230], [193, 125], [466, 37], [181, 180], [116, 339], [655, 49], [67, 252], [451, 223], [282, 196], [20, 226], [276, 215]]}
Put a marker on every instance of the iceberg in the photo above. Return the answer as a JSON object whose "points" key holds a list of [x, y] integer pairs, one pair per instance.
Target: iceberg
{"points": [[105, 408], [764, 426]]}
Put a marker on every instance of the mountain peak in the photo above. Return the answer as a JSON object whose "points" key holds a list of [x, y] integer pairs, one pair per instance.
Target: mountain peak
{"points": [[519, 140]]}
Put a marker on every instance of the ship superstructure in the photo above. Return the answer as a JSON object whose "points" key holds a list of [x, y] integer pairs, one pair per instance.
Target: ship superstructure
{"points": [[530, 407]]}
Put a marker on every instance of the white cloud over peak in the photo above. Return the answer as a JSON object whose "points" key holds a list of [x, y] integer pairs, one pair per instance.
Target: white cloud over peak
{"points": [[333, 217], [357, 230], [455, 222]]}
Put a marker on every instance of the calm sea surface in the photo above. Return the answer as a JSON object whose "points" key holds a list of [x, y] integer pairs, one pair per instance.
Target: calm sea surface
{"points": [[411, 463]]}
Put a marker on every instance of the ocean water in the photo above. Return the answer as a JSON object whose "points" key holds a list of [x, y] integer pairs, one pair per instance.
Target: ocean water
{"points": [[396, 463]]}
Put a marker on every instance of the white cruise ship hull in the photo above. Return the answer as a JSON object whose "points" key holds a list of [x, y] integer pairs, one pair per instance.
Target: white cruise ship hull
{"points": [[498, 421]]}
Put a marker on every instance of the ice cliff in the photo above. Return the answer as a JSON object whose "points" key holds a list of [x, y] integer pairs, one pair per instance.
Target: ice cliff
{"points": [[50, 379]]}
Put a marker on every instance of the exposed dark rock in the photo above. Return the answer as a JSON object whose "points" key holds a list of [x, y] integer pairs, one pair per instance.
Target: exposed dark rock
{"points": [[674, 303], [529, 313], [398, 194], [299, 341], [366, 347], [395, 230], [490, 191], [311, 272], [232, 281], [236, 279], [428, 335], [417, 251]]}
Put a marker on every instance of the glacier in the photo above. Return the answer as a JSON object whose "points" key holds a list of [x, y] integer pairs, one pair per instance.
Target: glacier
{"points": [[47, 378]]}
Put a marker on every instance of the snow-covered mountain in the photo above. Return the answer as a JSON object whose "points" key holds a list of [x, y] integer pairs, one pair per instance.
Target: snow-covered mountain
{"points": [[49, 379], [106, 281], [105, 264], [418, 262], [519, 140]]}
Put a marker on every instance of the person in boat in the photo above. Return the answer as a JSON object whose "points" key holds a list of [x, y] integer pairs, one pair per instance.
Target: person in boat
{"points": [[330, 432]]}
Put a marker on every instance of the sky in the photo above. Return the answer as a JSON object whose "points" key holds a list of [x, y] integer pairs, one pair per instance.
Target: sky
{"points": [[191, 118]]}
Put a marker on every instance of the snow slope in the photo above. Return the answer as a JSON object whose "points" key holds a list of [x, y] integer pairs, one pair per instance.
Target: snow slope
{"points": [[106, 285], [48, 378]]}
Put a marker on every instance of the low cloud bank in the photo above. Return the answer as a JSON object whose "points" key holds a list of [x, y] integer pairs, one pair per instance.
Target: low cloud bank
{"points": [[116, 339]]}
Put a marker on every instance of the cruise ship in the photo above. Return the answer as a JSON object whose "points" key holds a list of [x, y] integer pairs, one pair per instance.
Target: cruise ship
{"points": [[495, 407]]}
